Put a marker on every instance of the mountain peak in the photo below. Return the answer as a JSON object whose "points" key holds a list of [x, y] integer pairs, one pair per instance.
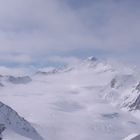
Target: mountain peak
{"points": [[92, 58]]}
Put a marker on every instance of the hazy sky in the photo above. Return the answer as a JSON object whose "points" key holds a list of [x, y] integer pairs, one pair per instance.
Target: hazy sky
{"points": [[42, 32]]}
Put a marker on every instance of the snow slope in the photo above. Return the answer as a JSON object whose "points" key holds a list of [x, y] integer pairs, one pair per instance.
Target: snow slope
{"points": [[133, 137], [11, 120], [80, 103]]}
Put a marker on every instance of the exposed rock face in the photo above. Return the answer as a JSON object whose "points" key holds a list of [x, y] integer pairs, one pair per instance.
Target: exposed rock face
{"points": [[122, 81], [113, 83], [19, 80], [2, 128], [54, 71], [135, 104], [14, 80], [138, 87]]}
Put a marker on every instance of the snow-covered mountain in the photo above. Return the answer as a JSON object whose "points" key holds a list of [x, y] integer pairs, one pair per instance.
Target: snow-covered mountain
{"points": [[133, 137], [89, 100], [10, 79], [10, 119]]}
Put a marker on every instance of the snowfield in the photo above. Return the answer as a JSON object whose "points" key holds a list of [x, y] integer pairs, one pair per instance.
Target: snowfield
{"points": [[87, 101]]}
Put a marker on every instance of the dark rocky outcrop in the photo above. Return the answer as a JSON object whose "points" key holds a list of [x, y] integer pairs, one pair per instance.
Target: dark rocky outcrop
{"points": [[113, 83], [2, 128], [138, 87], [19, 80]]}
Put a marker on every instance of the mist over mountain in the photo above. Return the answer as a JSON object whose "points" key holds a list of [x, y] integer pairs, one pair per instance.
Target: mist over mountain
{"points": [[69, 70], [85, 100]]}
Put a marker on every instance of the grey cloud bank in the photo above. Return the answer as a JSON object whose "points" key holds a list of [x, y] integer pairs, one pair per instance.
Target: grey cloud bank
{"points": [[31, 28]]}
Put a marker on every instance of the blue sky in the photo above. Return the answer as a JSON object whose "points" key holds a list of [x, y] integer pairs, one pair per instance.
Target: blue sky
{"points": [[38, 32]]}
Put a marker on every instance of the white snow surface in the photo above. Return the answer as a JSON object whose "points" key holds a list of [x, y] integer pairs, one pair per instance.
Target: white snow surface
{"points": [[13, 121], [133, 137], [77, 104]]}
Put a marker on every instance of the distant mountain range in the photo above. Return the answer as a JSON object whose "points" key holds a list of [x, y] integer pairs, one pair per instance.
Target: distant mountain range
{"points": [[89, 100]]}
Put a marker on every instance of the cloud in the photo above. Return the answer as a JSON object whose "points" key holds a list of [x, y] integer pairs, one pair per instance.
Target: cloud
{"points": [[64, 60], [15, 58], [31, 28], [114, 24], [28, 25], [12, 71]]}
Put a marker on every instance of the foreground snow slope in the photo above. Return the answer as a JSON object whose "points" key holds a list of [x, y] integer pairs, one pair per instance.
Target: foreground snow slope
{"points": [[133, 137], [11, 120], [73, 104]]}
